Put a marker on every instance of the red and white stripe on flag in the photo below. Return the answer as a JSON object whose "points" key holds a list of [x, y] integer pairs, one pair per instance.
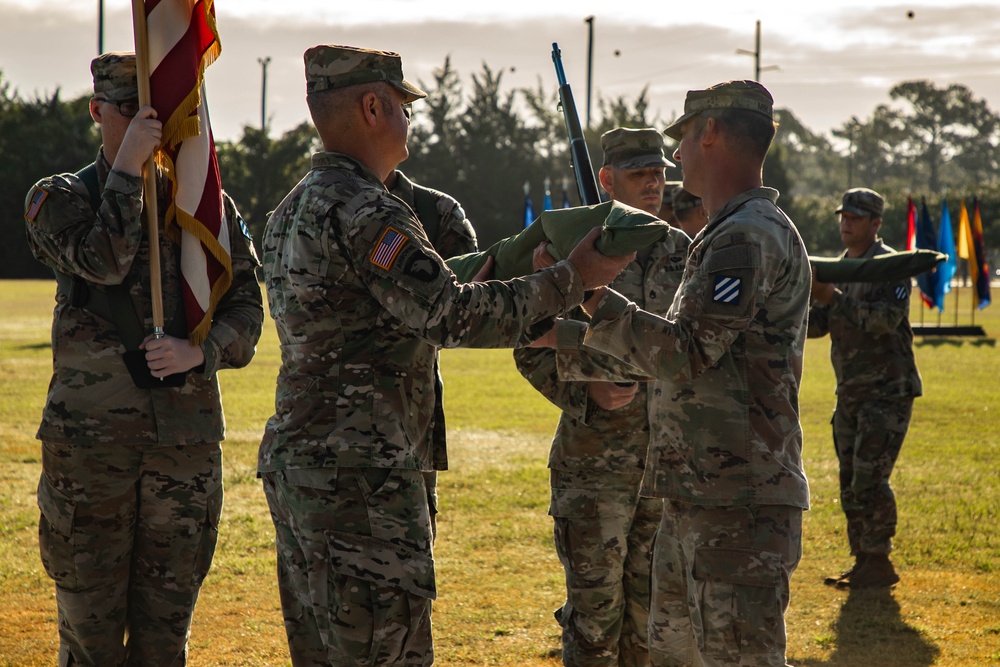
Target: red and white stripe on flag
{"points": [[183, 41]]}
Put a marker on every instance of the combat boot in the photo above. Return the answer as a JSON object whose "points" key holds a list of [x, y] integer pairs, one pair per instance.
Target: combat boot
{"points": [[843, 576], [875, 571]]}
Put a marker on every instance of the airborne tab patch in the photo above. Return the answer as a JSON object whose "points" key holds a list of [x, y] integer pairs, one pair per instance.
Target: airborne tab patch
{"points": [[387, 248], [727, 289], [35, 201]]}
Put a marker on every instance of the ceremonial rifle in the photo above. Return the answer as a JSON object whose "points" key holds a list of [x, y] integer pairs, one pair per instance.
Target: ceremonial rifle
{"points": [[585, 182]]}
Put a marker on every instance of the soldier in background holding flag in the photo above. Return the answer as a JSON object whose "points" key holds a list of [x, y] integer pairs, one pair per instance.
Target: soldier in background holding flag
{"points": [[877, 380], [131, 486]]}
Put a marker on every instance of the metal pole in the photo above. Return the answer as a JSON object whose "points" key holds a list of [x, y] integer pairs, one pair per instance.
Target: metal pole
{"points": [[590, 62], [756, 54], [263, 91], [100, 27]]}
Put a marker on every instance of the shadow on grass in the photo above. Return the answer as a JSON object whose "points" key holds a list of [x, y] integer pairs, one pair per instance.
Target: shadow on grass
{"points": [[955, 342], [871, 631], [36, 346]]}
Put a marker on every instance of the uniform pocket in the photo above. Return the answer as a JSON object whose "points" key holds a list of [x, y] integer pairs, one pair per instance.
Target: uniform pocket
{"points": [[55, 534], [737, 592], [571, 503]]}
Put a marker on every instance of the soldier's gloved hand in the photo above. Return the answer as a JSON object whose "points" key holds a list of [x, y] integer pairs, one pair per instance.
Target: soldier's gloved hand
{"points": [[595, 268], [141, 139], [612, 395]]}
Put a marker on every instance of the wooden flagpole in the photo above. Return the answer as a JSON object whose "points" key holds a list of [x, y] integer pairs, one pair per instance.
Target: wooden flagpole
{"points": [[149, 173]]}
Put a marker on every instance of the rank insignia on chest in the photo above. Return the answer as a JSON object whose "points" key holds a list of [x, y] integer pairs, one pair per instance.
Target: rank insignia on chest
{"points": [[387, 248], [900, 292], [727, 289], [35, 202]]}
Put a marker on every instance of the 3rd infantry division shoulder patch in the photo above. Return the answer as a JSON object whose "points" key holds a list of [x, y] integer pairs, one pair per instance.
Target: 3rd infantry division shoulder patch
{"points": [[727, 289]]}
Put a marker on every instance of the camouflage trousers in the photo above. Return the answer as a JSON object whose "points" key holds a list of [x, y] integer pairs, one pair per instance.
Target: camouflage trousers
{"points": [[604, 537], [721, 585], [868, 436], [127, 534], [355, 567]]}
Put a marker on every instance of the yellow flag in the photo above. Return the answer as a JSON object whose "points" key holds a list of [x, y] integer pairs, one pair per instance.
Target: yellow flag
{"points": [[966, 245]]}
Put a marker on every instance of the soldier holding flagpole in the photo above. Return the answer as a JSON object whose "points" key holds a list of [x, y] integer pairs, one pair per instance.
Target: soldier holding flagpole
{"points": [[131, 484]]}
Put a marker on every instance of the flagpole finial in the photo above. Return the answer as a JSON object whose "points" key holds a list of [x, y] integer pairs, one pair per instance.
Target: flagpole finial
{"points": [[527, 187]]}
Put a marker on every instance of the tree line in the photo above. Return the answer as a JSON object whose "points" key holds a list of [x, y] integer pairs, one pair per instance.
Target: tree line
{"points": [[482, 143]]}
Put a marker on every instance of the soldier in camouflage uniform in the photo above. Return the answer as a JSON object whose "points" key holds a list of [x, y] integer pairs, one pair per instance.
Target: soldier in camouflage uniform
{"points": [[726, 447], [131, 485], [877, 380], [362, 304], [688, 211], [451, 234], [603, 529]]}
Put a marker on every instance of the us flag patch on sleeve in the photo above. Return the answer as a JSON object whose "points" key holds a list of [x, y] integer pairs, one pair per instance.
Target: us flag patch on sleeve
{"points": [[727, 289], [35, 202], [387, 248]]}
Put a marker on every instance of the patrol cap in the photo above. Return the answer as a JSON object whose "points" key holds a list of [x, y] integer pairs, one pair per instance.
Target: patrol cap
{"points": [[684, 200], [330, 66], [627, 148], [114, 76], [748, 95], [862, 201]]}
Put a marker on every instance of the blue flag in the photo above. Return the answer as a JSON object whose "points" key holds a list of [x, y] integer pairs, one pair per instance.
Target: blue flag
{"points": [[946, 243], [927, 282], [547, 202], [529, 210], [566, 203]]}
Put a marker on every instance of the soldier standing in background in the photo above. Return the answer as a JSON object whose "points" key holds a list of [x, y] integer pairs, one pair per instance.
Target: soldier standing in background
{"points": [[666, 212], [726, 452], [871, 347], [131, 486], [688, 211], [362, 303], [451, 234], [603, 530]]}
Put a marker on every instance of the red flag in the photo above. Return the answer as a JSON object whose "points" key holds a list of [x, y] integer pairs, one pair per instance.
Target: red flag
{"points": [[183, 41], [911, 224]]}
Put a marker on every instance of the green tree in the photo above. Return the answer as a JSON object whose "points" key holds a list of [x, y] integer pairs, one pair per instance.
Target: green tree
{"points": [[38, 137], [950, 136], [258, 171]]}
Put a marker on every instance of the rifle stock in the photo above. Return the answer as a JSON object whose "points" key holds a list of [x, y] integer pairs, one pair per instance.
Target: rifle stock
{"points": [[583, 169]]}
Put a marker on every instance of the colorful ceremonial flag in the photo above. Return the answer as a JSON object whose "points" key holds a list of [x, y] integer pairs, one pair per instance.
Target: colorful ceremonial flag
{"points": [[183, 41], [925, 238], [565, 199], [547, 201], [965, 247], [946, 244], [982, 277], [911, 224]]}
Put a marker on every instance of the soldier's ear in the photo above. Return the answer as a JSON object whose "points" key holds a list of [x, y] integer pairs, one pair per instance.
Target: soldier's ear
{"points": [[95, 110], [371, 108]]}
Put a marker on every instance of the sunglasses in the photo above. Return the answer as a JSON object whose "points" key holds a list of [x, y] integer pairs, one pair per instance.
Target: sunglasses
{"points": [[407, 111], [127, 108]]}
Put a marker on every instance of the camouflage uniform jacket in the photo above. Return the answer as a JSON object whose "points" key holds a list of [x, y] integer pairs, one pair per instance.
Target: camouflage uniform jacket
{"points": [[589, 438], [362, 303], [454, 235], [729, 360], [92, 398], [871, 339]]}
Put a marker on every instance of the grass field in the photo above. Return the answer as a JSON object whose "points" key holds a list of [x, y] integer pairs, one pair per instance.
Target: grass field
{"points": [[498, 577]]}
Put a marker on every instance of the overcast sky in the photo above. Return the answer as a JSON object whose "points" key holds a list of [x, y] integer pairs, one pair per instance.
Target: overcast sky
{"points": [[835, 59]]}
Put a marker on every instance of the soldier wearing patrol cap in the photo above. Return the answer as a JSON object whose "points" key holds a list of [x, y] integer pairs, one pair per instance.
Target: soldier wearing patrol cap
{"points": [[362, 304], [871, 347], [726, 443], [603, 529], [131, 485]]}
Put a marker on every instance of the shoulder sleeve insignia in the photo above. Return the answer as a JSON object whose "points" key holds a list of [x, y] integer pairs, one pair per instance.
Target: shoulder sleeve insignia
{"points": [[387, 248], [36, 198], [727, 289], [900, 292]]}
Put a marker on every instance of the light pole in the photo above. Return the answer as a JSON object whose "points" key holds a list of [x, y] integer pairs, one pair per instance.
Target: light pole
{"points": [[757, 69], [100, 27], [264, 62]]}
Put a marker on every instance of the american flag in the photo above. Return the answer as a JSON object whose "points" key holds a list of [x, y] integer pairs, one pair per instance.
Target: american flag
{"points": [[183, 41], [387, 248]]}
